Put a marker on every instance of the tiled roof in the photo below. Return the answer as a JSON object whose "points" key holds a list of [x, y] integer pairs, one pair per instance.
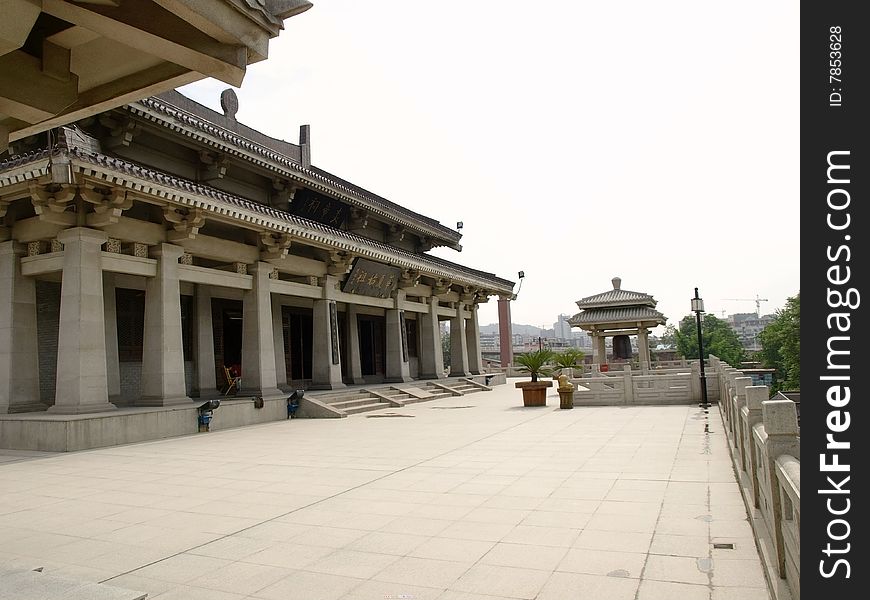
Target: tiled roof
{"points": [[202, 123], [627, 314], [177, 189], [616, 298]]}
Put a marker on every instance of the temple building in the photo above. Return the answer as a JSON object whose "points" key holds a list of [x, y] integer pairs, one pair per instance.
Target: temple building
{"points": [[153, 251], [618, 313]]}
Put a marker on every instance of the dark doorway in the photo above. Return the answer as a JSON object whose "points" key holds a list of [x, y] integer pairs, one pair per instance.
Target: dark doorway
{"points": [[298, 327], [372, 345], [226, 316]]}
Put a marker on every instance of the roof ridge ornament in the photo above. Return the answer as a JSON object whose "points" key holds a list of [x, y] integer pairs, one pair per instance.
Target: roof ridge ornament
{"points": [[617, 282], [229, 103]]}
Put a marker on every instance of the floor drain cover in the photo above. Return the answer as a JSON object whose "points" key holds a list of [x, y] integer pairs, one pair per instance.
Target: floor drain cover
{"points": [[723, 546]]}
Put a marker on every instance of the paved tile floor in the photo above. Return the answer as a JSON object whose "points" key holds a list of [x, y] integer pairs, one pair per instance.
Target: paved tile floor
{"points": [[471, 498]]}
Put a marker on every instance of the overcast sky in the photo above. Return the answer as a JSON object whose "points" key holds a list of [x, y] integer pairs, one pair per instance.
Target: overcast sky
{"points": [[656, 141]]}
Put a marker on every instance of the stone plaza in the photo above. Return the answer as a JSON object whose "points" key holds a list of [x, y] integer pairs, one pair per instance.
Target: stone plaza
{"points": [[471, 498]]}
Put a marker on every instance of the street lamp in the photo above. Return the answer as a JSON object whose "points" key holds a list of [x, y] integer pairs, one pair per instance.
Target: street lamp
{"points": [[698, 308]]}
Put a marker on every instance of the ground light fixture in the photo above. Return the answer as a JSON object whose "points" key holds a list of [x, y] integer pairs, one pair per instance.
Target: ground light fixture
{"points": [[293, 402], [205, 413], [698, 308]]}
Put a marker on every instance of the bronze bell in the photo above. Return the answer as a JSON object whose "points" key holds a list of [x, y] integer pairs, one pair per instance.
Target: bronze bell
{"points": [[621, 346]]}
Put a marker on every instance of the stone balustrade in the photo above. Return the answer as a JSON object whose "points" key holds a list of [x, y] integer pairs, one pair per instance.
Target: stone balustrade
{"points": [[764, 438]]}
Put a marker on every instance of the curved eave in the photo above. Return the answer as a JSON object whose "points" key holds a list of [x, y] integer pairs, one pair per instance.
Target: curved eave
{"points": [[214, 136], [604, 325], [218, 204]]}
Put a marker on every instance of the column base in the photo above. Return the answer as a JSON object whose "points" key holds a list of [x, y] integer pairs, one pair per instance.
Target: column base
{"points": [[153, 401], [81, 409], [27, 407]]}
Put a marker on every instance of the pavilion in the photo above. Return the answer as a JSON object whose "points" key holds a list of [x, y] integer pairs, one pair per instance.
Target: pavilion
{"points": [[616, 313]]}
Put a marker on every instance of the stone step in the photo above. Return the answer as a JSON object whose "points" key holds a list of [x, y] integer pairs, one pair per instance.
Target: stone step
{"points": [[341, 396], [366, 407], [436, 395], [346, 404]]}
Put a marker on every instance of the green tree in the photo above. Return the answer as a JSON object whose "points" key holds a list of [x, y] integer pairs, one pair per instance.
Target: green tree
{"points": [[719, 340], [781, 346], [669, 337]]}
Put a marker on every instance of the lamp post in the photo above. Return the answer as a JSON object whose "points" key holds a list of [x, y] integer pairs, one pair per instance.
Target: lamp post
{"points": [[698, 308]]}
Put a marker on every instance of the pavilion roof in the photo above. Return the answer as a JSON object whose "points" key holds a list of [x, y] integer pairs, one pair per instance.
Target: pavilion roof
{"points": [[616, 297], [618, 315]]}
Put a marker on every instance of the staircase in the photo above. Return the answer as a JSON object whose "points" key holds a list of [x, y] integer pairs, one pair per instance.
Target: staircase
{"points": [[359, 400], [353, 401]]}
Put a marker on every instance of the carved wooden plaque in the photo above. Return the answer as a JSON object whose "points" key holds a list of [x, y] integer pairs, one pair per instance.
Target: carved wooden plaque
{"points": [[369, 278], [317, 207]]}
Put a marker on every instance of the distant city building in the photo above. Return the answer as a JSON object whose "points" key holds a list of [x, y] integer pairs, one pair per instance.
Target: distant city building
{"points": [[747, 326]]}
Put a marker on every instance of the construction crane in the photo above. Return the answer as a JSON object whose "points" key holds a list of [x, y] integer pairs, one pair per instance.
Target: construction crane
{"points": [[757, 301]]}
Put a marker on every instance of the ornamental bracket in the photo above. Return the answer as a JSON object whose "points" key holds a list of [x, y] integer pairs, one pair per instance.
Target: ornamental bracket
{"points": [[442, 286], [275, 245], [185, 222], [108, 203], [410, 278], [51, 203], [339, 262]]}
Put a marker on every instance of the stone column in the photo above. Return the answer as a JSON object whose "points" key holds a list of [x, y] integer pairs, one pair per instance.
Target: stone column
{"points": [[458, 344], [82, 385], [431, 352], [353, 345], [278, 338], [600, 348], [113, 365], [472, 335], [505, 333], [206, 381], [19, 359], [643, 346], [326, 375], [258, 345], [397, 368], [162, 346]]}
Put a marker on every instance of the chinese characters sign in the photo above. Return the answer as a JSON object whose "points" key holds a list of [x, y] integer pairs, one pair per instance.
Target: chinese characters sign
{"points": [[317, 207], [368, 278]]}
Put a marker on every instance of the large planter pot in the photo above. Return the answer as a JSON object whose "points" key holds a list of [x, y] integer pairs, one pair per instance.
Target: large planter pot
{"points": [[534, 392]]}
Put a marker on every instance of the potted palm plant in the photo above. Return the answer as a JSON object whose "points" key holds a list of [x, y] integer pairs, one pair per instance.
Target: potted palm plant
{"points": [[567, 361], [534, 391]]}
